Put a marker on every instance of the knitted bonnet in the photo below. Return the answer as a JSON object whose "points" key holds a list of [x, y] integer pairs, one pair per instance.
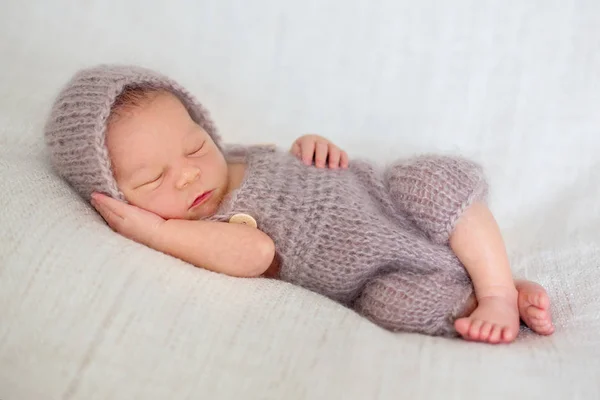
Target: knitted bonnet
{"points": [[76, 128]]}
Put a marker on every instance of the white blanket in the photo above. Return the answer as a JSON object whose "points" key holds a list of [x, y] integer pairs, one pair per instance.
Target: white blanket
{"points": [[87, 314]]}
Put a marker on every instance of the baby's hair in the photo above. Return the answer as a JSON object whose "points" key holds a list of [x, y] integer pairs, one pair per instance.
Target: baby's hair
{"points": [[133, 96]]}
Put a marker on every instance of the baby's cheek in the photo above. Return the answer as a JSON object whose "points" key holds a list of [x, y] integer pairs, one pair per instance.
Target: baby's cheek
{"points": [[132, 199], [167, 205], [143, 201]]}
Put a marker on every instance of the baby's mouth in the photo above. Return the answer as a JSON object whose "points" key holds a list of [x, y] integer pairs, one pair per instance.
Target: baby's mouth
{"points": [[202, 198]]}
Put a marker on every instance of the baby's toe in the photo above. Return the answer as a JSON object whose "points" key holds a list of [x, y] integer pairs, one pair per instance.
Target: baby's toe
{"points": [[537, 313], [535, 299], [543, 327], [462, 326], [543, 301], [486, 328], [475, 329], [508, 334], [538, 298], [495, 334]]}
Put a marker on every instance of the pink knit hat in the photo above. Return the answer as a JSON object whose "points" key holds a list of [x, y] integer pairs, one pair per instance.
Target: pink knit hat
{"points": [[76, 128]]}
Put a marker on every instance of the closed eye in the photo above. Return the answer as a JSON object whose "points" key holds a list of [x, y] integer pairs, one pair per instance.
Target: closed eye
{"points": [[197, 149], [158, 178], [149, 182]]}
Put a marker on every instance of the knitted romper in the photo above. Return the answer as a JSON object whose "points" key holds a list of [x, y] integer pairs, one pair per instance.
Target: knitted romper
{"points": [[376, 241]]}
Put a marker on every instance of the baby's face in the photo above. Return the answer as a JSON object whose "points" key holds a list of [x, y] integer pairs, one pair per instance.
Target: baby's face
{"points": [[164, 162]]}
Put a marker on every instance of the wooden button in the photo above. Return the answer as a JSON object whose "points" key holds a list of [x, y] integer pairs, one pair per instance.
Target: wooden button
{"points": [[243, 219]]}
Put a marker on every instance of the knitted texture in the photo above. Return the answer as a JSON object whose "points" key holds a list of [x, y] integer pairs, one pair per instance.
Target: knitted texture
{"points": [[76, 128], [434, 191], [364, 237], [409, 301]]}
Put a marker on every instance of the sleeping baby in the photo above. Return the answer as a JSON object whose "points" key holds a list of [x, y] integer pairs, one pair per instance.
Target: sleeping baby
{"points": [[413, 247]]}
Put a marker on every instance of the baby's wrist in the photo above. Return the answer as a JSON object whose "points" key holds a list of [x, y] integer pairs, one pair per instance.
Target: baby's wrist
{"points": [[158, 238]]}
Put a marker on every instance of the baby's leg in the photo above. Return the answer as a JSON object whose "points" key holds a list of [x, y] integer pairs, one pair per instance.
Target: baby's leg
{"points": [[445, 198], [411, 302], [477, 242]]}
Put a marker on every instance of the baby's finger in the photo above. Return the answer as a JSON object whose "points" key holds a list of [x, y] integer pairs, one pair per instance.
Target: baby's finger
{"points": [[116, 206], [334, 156], [308, 151], [295, 150], [344, 159], [321, 154], [112, 219]]}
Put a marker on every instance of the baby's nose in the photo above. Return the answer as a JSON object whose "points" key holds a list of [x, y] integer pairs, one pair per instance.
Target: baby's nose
{"points": [[188, 175]]}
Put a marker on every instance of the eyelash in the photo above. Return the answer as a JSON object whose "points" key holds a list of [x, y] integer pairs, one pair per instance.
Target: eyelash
{"points": [[157, 178], [199, 148]]}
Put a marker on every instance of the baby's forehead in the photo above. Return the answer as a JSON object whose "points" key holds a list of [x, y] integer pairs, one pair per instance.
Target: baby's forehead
{"points": [[147, 111], [148, 120]]}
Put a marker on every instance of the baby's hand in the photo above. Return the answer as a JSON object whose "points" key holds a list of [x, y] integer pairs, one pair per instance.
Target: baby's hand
{"points": [[322, 151], [130, 221]]}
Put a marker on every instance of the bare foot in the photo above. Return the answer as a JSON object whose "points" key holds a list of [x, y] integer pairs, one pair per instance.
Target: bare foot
{"points": [[534, 307], [495, 320]]}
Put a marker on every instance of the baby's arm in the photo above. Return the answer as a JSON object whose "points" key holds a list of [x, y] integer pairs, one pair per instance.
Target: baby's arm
{"points": [[232, 249]]}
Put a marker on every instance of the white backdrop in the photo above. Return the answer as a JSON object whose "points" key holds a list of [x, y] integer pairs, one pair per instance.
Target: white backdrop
{"points": [[514, 84]]}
